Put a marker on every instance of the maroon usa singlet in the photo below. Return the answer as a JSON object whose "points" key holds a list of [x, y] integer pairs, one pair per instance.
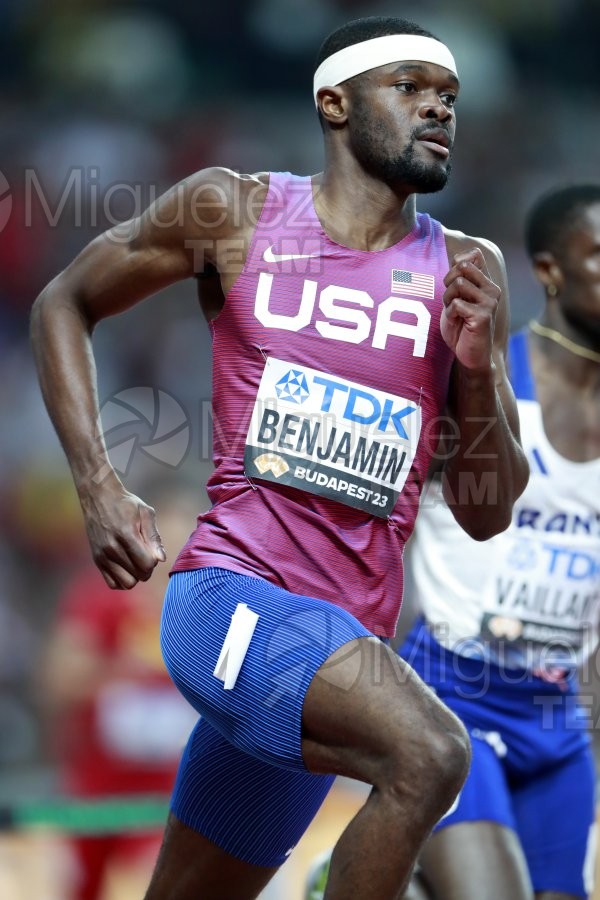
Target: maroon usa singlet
{"points": [[330, 373]]}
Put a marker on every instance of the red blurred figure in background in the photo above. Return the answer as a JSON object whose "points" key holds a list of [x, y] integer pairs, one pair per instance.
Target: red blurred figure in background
{"points": [[118, 724]]}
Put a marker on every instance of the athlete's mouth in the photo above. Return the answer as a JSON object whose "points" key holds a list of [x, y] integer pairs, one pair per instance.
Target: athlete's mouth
{"points": [[436, 139]]}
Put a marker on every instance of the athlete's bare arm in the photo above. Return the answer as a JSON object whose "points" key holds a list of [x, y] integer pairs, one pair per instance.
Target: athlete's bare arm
{"points": [[206, 219], [485, 468]]}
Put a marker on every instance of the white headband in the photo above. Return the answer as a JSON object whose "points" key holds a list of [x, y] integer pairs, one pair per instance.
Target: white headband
{"points": [[380, 51]]}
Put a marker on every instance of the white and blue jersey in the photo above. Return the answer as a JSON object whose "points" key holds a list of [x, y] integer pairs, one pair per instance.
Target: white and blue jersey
{"points": [[504, 625], [530, 597]]}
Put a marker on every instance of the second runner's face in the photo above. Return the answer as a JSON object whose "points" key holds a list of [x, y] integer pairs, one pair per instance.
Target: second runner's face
{"points": [[403, 123], [579, 261]]}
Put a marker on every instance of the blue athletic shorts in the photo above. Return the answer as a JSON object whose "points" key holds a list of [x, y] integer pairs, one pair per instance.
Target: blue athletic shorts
{"points": [[242, 781], [532, 768]]}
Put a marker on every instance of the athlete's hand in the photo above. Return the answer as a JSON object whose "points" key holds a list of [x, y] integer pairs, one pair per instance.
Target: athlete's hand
{"points": [[470, 303], [123, 536]]}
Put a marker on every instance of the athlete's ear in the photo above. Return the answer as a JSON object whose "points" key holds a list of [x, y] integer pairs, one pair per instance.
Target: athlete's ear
{"points": [[548, 271], [332, 104]]}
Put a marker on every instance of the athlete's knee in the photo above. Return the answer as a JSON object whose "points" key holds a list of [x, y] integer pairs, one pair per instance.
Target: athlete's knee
{"points": [[449, 752], [432, 774]]}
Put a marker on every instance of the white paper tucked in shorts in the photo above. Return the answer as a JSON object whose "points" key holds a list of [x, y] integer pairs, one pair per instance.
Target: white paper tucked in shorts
{"points": [[235, 646]]}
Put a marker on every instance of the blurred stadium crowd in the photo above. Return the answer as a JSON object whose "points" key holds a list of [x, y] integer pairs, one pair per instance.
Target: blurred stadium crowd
{"points": [[103, 105]]}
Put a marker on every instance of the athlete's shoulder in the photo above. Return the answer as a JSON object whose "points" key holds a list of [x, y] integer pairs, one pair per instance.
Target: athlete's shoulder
{"points": [[220, 177], [458, 241], [224, 187], [214, 203]]}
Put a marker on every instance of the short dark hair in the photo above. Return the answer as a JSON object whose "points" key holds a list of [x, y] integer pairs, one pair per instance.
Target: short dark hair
{"points": [[363, 30], [555, 213]]}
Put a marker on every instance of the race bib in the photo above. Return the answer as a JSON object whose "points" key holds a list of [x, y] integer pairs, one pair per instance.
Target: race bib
{"points": [[542, 591], [331, 437]]}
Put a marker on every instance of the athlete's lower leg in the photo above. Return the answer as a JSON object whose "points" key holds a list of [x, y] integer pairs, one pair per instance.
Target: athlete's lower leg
{"points": [[373, 719]]}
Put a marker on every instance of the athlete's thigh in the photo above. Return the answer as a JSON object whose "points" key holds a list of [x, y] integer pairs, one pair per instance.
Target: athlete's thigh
{"points": [[260, 712], [365, 705], [234, 820], [474, 852], [315, 689], [555, 813]]}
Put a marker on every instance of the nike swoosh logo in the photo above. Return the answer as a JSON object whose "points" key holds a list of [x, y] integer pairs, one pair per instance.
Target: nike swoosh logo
{"points": [[270, 257]]}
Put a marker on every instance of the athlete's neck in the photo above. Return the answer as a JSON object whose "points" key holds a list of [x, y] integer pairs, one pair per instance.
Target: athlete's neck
{"points": [[361, 212], [568, 355]]}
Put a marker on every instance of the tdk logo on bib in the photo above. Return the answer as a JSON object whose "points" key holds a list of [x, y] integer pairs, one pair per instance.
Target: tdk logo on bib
{"points": [[360, 405], [293, 387], [339, 439]]}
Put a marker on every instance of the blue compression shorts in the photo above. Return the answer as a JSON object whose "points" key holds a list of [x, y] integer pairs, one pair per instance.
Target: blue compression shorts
{"points": [[532, 768], [242, 782]]}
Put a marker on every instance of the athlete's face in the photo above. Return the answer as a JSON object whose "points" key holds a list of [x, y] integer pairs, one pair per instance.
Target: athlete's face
{"points": [[402, 124], [579, 261]]}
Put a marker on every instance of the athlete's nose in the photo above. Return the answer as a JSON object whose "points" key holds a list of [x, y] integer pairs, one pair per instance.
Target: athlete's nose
{"points": [[435, 109]]}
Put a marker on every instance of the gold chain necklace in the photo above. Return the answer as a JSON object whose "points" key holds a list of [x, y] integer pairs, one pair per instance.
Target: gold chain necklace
{"points": [[563, 341]]}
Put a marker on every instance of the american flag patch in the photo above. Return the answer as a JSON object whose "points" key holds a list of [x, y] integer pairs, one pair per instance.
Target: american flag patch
{"points": [[413, 283]]}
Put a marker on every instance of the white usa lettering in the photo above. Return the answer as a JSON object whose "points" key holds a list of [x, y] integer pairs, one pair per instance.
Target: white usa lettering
{"points": [[352, 324]]}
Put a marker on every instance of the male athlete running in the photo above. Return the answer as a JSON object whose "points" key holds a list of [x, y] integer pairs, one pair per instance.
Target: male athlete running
{"points": [[345, 324]]}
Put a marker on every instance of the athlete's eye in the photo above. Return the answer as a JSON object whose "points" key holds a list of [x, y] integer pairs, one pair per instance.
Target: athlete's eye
{"points": [[448, 99], [407, 87]]}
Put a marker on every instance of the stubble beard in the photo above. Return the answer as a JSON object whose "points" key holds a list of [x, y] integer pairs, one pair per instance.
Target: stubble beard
{"points": [[401, 170]]}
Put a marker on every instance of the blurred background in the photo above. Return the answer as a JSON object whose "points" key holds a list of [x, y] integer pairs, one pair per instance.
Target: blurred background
{"points": [[104, 104]]}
